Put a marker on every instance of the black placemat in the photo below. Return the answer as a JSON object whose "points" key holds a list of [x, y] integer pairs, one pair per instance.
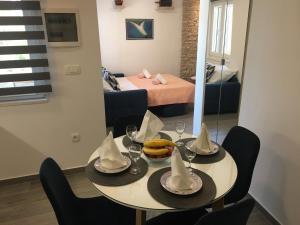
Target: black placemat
{"points": [[199, 199], [203, 159], [117, 179], [127, 142]]}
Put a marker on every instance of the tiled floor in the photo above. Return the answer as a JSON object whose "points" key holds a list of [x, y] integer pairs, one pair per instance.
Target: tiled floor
{"points": [[24, 203], [225, 122]]}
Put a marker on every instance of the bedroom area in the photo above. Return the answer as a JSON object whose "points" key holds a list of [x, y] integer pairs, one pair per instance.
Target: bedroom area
{"points": [[151, 59]]}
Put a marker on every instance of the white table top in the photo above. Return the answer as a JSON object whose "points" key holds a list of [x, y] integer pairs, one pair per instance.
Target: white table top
{"points": [[136, 195]]}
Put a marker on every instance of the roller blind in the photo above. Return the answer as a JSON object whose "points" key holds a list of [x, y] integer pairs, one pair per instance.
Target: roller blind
{"points": [[23, 53]]}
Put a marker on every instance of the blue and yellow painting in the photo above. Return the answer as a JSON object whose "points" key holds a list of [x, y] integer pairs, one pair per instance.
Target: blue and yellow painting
{"points": [[139, 29]]}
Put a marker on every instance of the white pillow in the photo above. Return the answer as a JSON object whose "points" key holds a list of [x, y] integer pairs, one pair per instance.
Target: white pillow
{"points": [[161, 79], [146, 73], [218, 76], [106, 86], [125, 84]]}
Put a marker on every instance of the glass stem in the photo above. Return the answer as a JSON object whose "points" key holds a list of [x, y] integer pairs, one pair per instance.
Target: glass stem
{"points": [[134, 164]]}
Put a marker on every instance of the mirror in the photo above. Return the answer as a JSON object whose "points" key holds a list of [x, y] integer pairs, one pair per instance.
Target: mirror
{"points": [[226, 38]]}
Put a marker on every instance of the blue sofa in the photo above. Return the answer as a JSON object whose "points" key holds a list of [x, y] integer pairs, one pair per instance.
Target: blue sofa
{"points": [[121, 104], [230, 97], [135, 103]]}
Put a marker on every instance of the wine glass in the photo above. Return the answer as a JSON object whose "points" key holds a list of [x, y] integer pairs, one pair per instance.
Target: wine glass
{"points": [[135, 152], [190, 154], [131, 132], [180, 127]]}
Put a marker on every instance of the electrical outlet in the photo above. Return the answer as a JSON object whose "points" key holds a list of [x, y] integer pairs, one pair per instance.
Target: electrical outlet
{"points": [[75, 137]]}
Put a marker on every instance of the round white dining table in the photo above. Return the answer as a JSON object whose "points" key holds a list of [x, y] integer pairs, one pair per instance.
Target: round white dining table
{"points": [[136, 195]]}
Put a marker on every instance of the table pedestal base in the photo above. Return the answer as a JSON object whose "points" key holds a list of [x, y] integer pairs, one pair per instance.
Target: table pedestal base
{"points": [[218, 205], [140, 217]]}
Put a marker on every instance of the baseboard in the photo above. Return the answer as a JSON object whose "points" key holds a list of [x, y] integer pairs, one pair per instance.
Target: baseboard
{"points": [[36, 176], [268, 215]]}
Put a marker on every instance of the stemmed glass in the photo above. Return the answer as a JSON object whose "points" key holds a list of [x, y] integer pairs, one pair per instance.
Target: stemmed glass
{"points": [[190, 155], [135, 152], [180, 127], [131, 132]]}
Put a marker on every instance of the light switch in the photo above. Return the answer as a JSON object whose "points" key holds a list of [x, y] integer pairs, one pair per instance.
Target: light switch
{"points": [[72, 70]]}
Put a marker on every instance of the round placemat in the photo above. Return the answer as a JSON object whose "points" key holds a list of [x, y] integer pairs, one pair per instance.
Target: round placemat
{"points": [[203, 159], [117, 179], [127, 142], [202, 198]]}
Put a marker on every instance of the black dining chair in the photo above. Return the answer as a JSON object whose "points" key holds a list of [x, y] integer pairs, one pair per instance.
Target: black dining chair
{"points": [[121, 124], [71, 210], [243, 145], [237, 214]]}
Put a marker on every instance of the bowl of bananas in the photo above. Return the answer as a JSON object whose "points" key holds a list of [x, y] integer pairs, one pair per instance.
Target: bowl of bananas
{"points": [[158, 150]]}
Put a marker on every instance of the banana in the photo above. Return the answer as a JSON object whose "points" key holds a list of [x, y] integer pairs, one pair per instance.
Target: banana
{"points": [[151, 151], [154, 143]]}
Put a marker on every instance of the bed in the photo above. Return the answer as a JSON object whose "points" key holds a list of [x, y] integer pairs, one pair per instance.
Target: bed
{"points": [[176, 91]]}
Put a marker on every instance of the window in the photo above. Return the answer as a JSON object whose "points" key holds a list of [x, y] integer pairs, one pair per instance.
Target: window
{"points": [[24, 72], [220, 29]]}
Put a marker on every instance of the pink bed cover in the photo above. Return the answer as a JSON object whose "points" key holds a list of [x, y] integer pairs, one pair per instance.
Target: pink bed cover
{"points": [[176, 91]]}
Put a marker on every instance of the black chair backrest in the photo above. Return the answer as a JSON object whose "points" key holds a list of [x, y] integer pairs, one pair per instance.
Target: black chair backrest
{"points": [[121, 124], [59, 193], [243, 145], [236, 214]]}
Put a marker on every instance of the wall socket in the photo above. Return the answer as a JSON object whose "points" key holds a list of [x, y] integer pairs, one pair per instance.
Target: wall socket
{"points": [[75, 137]]}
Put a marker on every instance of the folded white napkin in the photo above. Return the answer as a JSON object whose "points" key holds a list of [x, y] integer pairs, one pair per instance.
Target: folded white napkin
{"points": [[161, 79], [180, 178], [146, 73], [203, 142], [110, 155], [150, 127]]}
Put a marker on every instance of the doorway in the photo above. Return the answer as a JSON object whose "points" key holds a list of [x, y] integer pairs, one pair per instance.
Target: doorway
{"points": [[220, 62]]}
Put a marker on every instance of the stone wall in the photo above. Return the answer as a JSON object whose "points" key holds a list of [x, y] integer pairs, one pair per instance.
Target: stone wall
{"points": [[190, 19]]}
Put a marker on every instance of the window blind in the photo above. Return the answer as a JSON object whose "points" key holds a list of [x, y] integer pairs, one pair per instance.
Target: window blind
{"points": [[23, 53]]}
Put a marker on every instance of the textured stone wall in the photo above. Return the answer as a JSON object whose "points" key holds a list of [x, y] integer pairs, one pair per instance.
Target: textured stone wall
{"points": [[190, 19]]}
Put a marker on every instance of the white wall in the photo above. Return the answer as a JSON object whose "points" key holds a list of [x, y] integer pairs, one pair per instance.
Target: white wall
{"points": [[270, 105], [239, 31], [29, 133], [200, 67], [162, 54]]}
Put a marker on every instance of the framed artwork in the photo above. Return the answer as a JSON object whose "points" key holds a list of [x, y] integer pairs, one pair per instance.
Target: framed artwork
{"points": [[62, 27], [139, 29]]}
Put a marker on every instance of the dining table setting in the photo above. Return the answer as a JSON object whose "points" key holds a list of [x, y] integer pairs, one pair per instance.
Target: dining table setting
{"points": [[155, 169]]}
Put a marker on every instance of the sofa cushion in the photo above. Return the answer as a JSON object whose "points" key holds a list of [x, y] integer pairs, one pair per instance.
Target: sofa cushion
{"points": [[210, 69], [105, 73], [113, 82], [106, 86], [110, 79], [222, 74]]}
